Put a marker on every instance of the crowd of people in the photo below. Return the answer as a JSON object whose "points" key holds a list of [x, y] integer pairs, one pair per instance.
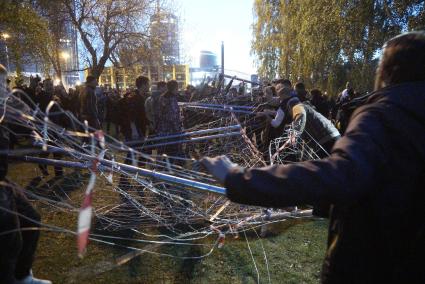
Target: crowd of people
{"points": [[135, 112]]}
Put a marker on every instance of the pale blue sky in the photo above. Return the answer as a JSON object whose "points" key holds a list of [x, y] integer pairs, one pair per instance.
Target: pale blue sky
{"points": [[205, 23]]}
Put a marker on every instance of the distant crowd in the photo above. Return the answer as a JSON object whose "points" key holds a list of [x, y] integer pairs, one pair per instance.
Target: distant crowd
{"points": [[134, 113]]}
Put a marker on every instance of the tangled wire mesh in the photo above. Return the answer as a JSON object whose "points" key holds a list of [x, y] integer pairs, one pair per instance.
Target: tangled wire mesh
{"points": [[133, 187]]}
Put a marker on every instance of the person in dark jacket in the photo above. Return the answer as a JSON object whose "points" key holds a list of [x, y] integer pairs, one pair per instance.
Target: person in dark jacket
{"points": [[88, 103], [137, 106], [320, 102], [374, 178], [301, 92], [124, 119], [17, 245], [44, 97], [315, 129], [76, 101], [112, 111], [344, 98], [318, 130]]}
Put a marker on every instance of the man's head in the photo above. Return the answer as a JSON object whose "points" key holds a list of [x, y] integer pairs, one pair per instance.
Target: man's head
{"points": [[282, 83], [301, 91], [142, 83], [299, 87], [284, 93], [172, 86], [402, 60], [91, 81], [161, 86], [316, 94]]}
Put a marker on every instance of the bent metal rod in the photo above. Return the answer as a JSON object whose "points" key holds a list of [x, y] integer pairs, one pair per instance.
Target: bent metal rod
{"points": [[108, 165]]}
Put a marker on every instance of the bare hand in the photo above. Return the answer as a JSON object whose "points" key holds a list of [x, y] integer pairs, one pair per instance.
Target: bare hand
{"points": [[219, 166]]}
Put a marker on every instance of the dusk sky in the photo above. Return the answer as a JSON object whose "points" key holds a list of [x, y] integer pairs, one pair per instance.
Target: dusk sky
{"points": [[206, 23]]}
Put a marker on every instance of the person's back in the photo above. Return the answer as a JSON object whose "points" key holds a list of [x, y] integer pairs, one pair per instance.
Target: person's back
{"points": [[319, 102], [123, 119], [137, 106], [170, 121], [390, 241], [85, 101], [88, 103], [75, 101], [301, 92], [151, 109], [381, 236], [46, 95], [319, 129], [374, 178], [156, 113]]}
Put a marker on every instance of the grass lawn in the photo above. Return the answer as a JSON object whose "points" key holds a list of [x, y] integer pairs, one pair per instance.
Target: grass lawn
{"points": [[294, 249]]}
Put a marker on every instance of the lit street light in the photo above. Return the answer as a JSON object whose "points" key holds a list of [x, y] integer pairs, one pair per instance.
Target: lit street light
{"points": [[5, 36], [65, 55]]}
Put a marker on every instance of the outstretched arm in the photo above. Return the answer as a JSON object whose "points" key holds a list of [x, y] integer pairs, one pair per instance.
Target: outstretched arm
{"points": [[345, 177]]}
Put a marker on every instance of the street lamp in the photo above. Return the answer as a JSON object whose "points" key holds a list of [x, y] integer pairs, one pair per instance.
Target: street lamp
{"points": [[5, 36], [65, 56]]}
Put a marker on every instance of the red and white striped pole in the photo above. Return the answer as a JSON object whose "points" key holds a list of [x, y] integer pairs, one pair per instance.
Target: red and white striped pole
{"points": [[86, 211]]}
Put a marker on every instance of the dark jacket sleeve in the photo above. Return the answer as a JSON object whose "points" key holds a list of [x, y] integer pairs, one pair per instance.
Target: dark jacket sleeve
{"points": [[357, 163]]}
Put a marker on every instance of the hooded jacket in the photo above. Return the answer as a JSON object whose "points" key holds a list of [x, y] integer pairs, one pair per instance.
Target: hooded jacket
{"points": [[375, 181]]}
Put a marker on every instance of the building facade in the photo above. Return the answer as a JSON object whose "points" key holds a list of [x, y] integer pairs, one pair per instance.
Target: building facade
{"points": [[165, 29], [125, 77], [69, 55]]}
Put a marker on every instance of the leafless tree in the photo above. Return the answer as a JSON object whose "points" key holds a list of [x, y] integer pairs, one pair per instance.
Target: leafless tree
{"points": [[106, 25]]}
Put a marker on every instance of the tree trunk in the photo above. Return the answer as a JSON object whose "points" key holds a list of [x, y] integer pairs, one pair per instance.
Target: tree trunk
{"points": [[96, 71]]}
